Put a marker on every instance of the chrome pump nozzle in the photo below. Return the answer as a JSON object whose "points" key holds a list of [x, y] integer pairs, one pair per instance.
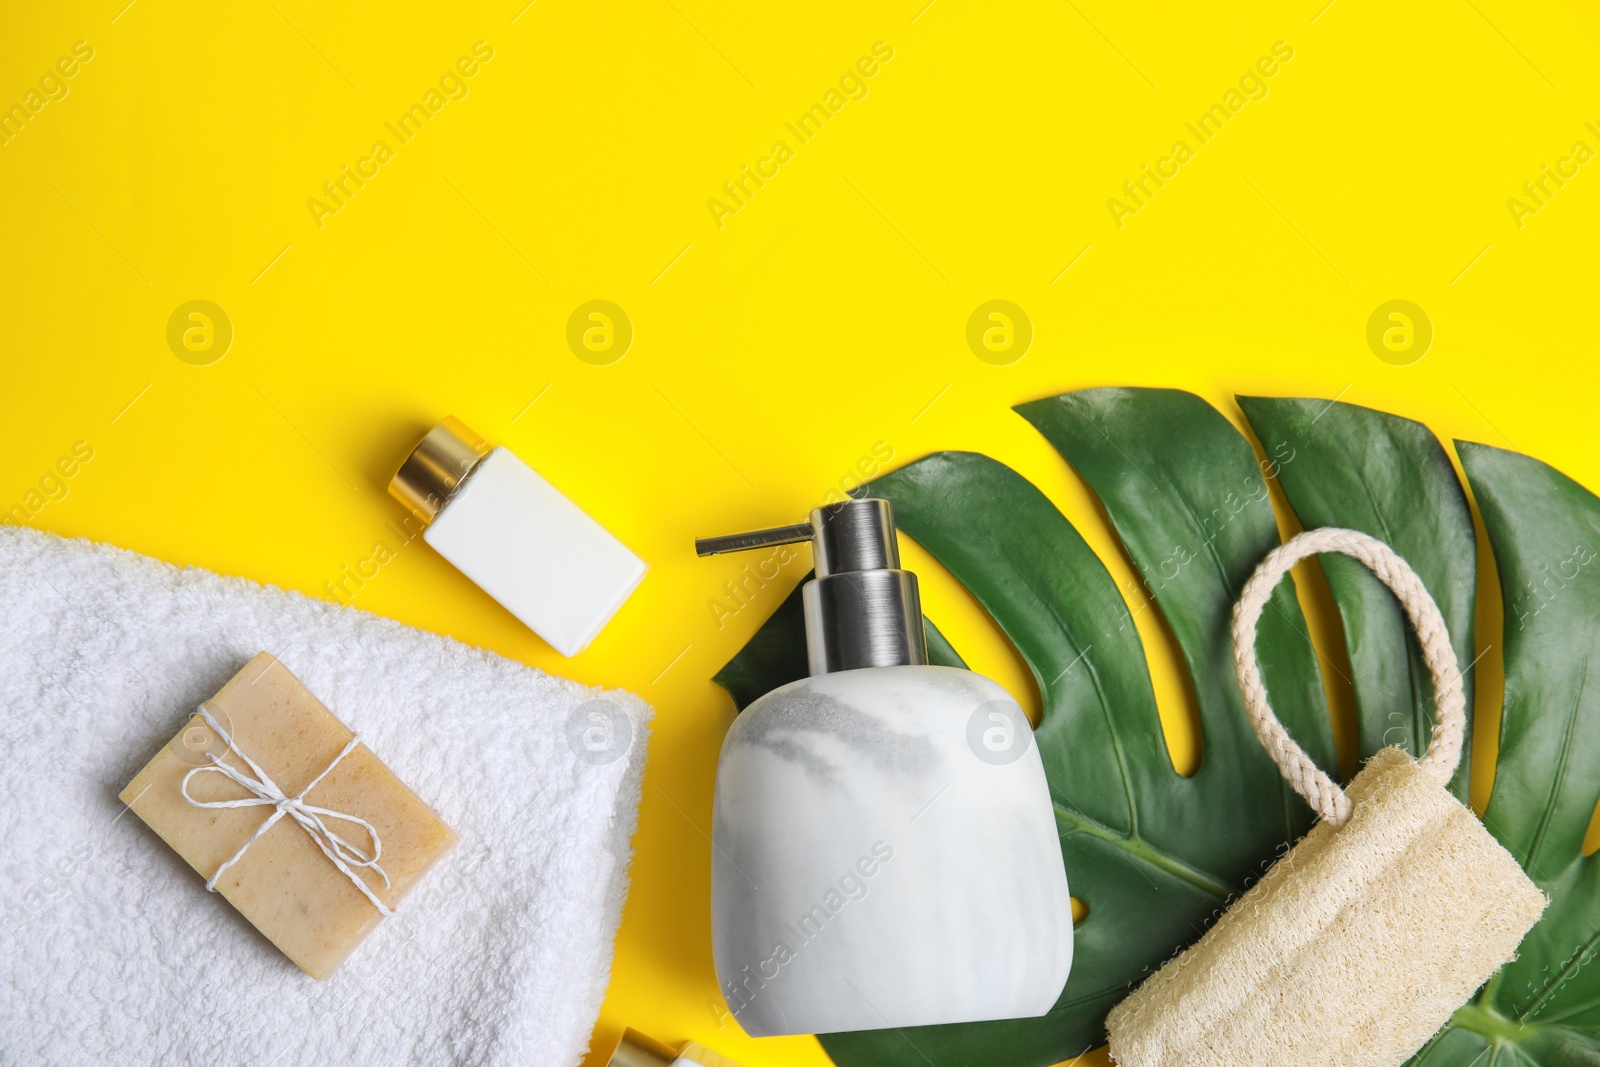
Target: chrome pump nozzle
{"points": [[861, 609]]}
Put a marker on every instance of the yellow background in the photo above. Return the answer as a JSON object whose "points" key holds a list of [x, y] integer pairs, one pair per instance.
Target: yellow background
{"points": [[772, 354]]}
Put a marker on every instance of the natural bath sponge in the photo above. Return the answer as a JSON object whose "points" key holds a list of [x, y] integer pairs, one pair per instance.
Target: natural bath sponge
{"points": [[1357, 945]]}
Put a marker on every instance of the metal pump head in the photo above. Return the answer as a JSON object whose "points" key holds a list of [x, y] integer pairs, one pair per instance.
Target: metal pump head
{"points": [[861, 609]]}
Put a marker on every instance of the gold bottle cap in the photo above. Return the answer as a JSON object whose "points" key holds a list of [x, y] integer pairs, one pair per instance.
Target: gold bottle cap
{"points": [[637, 1050], [437, 467]]}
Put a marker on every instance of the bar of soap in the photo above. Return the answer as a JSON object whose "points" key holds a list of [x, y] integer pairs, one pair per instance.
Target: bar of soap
{"points": [[284, 883]]}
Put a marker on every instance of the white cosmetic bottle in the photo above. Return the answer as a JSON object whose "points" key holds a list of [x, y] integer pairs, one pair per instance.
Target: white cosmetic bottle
{"points": [[885, 846], [516, 536]]}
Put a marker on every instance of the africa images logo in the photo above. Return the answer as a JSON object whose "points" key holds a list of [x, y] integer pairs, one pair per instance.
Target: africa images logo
{"points": [[452, 85], [851, 886], [1252, 85], [52, 87], [852, 85]]}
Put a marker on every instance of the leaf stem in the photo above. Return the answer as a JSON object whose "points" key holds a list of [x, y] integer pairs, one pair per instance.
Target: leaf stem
{"points": [[1483, 1020]]}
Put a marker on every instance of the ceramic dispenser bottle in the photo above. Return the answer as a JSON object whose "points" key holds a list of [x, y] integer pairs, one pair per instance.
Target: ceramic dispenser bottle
{"points": [[886, 851]]}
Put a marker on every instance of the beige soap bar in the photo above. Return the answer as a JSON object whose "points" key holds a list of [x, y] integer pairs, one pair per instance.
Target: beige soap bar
{"points": [[284, 884]]}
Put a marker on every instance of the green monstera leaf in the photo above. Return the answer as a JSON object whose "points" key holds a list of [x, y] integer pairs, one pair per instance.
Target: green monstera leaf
{"points": [[1388, 477], [1155, 856], [1544, 1006]]}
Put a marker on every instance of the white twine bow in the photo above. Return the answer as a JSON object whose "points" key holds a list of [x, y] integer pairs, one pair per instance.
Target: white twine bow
{"points": [[310, 817]]}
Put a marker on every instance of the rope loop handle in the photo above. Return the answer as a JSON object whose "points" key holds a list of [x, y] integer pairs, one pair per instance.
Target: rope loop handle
{"points": [[1307, 779]]}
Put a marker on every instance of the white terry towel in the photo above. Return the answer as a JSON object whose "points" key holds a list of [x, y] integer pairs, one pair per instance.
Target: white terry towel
{"points": [[113, 952]]}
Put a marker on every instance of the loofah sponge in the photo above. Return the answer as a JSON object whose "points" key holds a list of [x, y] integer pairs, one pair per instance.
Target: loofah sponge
{"points": [[1359, 944]]}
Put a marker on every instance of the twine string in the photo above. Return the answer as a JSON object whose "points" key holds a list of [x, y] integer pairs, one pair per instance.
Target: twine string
{"points": [[265, 792]]}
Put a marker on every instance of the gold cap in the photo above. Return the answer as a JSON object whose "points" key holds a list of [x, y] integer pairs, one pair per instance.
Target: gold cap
{"points": [[437, 467], [637, 1050]]}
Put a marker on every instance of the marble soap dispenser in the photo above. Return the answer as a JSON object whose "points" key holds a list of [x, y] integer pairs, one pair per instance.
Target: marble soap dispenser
{"points": [[886, 852]]}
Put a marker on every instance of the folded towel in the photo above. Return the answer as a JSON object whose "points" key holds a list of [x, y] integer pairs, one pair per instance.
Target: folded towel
{"points": [[113, 950]]}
